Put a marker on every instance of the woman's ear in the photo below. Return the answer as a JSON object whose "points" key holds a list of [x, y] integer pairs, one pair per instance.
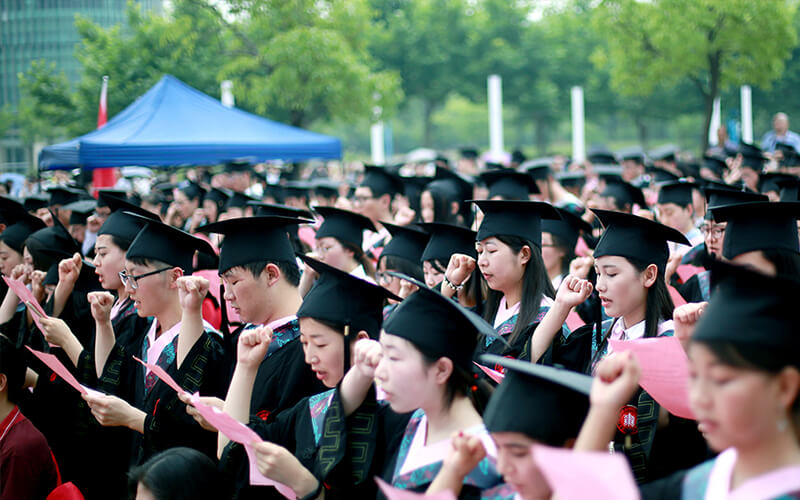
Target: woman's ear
{"points": [[3, 382], [649, 275], [443, 370], [524, 254], [788, 387]]}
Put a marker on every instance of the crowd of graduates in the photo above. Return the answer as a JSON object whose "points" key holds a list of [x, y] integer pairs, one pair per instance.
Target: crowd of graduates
{"points": [[430, 326]]}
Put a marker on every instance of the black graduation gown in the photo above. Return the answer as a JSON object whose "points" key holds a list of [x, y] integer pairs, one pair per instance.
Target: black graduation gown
{"points": [[283, 379]]}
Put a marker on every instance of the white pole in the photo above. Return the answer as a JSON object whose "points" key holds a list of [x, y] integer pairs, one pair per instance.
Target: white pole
{"points": [[747, 114], [716, 120], [578, 132], [495, 88], [227, 94], [376, 143]]}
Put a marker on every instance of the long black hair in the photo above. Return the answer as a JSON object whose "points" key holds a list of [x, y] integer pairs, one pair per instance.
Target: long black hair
{"points": [[177, 474], [659, 306], [474, 288], [535, 285], [442, 203]]}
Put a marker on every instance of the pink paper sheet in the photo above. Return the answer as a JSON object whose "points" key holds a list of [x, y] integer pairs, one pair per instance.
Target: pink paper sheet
{"points": [[54, 364], [577, 475], [393, 493], [240, 433], [163, 375], [574, 321], [677, 298], [665, 371], [492, 374], [686, 271], [27, 297]]}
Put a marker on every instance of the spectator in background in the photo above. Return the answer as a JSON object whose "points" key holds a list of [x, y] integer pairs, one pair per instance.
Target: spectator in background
{"points": [[780, 133]]}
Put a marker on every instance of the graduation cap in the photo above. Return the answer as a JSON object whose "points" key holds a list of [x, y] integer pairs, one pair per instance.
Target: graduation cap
{"points": [[715, 164], [274, 191], [689, 168], [218, 195], [469, 153], [623, 192], [192, 190], [19, 229], [344, 300], [253, 239], [758, 226], [238, 165], [568, 228], [544, 403], [634, 153], [752, 156], [665, 153], [600, 155], [297, 189], [514, 218], [381, 182], [162, 242], [34, 202], [677, 192], [748, 308], [458, 187], [438, 326], [447, 239], [123, 225], [50, 244], [509, 184], [104, 194], [771, 181], [637, 238], [60, 195], [660, 175], [790, 189], [238, 200], [263, 209], [716, 197], [407, 242], [347, 227], [11, 210], [575, 178], [538, 169], [80, 211], [325, 188]]}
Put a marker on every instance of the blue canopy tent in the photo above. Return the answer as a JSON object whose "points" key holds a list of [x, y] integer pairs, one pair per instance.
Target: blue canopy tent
{"points": [[173, 124]]}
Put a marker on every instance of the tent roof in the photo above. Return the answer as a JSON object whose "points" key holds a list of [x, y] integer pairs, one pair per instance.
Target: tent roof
{"points": [[174, 124]]}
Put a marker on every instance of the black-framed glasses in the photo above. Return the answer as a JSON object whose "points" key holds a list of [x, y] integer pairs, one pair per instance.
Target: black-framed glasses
{"points": [[132, 280]]}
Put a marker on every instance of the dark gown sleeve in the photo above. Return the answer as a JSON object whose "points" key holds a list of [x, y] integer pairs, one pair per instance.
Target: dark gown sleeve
{"points": [[690, 290], [668, 488]]}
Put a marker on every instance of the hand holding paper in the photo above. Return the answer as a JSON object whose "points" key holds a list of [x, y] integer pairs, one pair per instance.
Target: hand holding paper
{"points": [[665, 371], [26, 296], [600, 476]]}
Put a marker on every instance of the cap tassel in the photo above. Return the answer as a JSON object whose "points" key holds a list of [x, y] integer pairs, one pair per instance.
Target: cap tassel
{"points": [[346, 330]]}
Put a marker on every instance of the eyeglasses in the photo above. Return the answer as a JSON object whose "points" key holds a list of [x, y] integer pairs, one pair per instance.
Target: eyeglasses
{"points": [[132, 280], [362, 198], [383, 278], [715, 232]]}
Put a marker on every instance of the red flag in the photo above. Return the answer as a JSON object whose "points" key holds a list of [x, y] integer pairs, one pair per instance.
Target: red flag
{"points": [[103, 177]]}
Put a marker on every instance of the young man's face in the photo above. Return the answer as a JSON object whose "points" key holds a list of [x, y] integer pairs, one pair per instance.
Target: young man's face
{"points": [[675, 216], [152, 292], [247, 294], [368, 205]]}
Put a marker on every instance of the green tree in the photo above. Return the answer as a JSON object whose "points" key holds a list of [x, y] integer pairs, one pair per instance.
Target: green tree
{"points": [[654, 45], [46, 108]]}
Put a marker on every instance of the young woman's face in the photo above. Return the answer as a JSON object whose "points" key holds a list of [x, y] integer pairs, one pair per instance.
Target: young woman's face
{"points": [[433, 277], [390, 283], [500, 266], [734, 407], [515, 463], [210, 208], [109, 260], [186, 207], [427, 207], [620, 286], [9, 259], [331, 252], [552, 256], [246, 294], [756, 261], [324, 350], [402, 368]]}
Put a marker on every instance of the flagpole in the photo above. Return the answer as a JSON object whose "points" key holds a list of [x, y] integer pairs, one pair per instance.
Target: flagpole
{"points": [[103, 177]]}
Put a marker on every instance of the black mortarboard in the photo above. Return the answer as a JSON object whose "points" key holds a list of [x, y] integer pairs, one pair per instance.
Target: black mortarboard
{"points": [[791, 157], [493, 165], [238, 200], [253, 239], [790, 189], [659, 175], [264, 209], [575, 178], [568, 228], [447, 239], [637, 238], [717, 197], [623, 192], [274, 191], [60, 195], [18, 231], [103, 194], [80, 211], [677, 192], [748, 308], [381, 182], [469, 153], [600, 155], [771, 181], [11, 210], [758, 226], [347, 227], [666, 153], [407, 242], [123, 225], [238, 165], [51, 244], [345, 300], [509, 184], [192, 190], [689, 168], [752, 156], [326, 188], [544, 403], [438, 326], [457, 186], [514, 218], [716, 164], [634, 153], [538, 169], [297, 189], [162, 242], [218, 195], [34, 202], [518, 156]]}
